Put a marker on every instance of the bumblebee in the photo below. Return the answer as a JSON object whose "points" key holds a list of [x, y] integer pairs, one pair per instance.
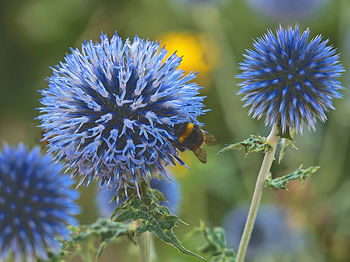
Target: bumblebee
{"points": [[190, 136]]}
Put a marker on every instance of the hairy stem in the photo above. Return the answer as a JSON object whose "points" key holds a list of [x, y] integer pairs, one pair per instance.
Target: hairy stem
{"points": [[145, 247], [272, 139]]}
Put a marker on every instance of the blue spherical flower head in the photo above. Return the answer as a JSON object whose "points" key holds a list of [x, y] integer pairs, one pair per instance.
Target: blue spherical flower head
{"points": [[36, 204], [170, 191], [110, 109], [290, 80]]}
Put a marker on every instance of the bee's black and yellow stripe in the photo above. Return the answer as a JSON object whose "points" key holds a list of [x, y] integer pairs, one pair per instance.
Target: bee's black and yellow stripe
{"points": [[190, 136], [187, 132]]}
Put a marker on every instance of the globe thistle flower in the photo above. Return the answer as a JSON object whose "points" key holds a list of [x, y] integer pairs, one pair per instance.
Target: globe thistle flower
{"points": [[110, 109], [287, 10], [272, 234], [289, 80], [36, 204], [170, 191]]}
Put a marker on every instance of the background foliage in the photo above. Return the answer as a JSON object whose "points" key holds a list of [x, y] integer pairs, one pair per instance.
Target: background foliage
{"points": [[36, 34]]}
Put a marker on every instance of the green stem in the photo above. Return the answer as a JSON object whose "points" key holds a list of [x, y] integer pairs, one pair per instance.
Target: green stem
{"points": [[145, 247], [272, 139]]}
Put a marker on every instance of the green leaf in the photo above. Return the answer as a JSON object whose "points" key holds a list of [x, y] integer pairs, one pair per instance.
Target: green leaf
{"points": [[151, 216], [65, 250], [285, 142], [104, 229], [215, 246], [281, 182], [254, 143]]}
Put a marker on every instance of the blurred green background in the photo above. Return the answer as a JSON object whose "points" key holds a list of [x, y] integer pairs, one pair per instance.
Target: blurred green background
{"points": [[36, 34]]}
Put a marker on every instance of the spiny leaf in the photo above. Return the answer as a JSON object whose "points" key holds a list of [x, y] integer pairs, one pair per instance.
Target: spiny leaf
{"points": [[216, 246], [281, 182], [151, 216], [67, 246], [285, 143], [105, 229], [254, 143]]}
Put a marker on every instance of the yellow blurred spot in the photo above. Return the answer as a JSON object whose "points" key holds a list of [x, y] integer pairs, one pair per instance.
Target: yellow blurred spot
{"points": [[181, 171], [198, 52]]}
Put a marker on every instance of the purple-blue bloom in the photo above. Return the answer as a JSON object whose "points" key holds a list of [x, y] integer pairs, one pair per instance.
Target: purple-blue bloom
{"points": [[290, 80], [169, 189], [287, 10], [272, 234], [36, 204], [110, 109]]}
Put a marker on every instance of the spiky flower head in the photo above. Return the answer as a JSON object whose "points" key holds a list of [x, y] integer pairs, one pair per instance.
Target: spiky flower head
{"points": [[289, 79], [287, 10], [272, 233], [169, 189], [110, 109], [36, 204]]}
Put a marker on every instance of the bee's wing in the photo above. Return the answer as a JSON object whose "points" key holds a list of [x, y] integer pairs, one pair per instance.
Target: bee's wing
{"points": [[210, 140], [201, 154]]}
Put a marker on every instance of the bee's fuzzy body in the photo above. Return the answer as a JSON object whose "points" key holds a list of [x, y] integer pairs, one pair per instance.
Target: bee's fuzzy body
{"points": [[189, 136]]}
